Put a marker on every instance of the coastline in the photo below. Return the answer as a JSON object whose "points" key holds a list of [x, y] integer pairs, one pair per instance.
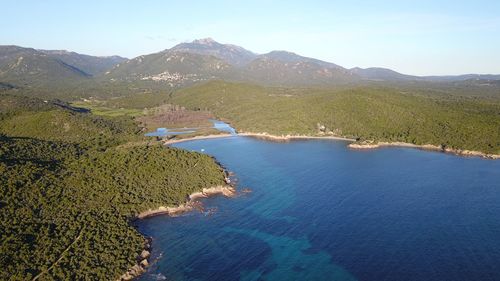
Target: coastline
{"points": [[172, 141], [191, 204], [229, 191], [225, 190], [352, 145], [430, 147], [285, 138]]}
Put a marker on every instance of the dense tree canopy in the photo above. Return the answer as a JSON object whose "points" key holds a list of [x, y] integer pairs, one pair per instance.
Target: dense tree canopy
{"points": [[413, 115], [69, 188]]}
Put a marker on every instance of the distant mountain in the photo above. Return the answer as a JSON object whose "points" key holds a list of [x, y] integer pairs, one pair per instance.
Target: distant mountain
{"points": [[89, 64], [199, 60], [207, 59], [172, 67], [286, 68], [29, 67], [25, 66], [451, 78], [289, 57], [381, 74], [232, 54]]}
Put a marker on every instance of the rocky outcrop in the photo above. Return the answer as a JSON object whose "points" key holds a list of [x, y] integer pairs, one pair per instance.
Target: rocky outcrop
{"points": [[227, 191], [190, 205], [141, 264], [363, 146]]}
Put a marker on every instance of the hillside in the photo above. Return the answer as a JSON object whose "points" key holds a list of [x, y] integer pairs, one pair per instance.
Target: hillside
{"points": [[382, 74], [417, 116], [28, 68], [280, 68], [172, 68], [89, 64], [70, 187]]}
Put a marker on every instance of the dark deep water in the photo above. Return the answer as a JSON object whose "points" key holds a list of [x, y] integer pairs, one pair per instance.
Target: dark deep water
{"points": [[319, 211]]}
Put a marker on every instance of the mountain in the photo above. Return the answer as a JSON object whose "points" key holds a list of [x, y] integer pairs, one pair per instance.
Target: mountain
{"points": [[172, 67], [455, 78], [381, 74], [199, 60], [285, 68], [232, 54], [207, 59], [89, 64], [289, 57], [26, 67]]}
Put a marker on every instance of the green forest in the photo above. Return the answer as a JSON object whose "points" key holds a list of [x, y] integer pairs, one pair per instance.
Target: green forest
{"points": [[72, 181], [74, 175], [414, 115]]}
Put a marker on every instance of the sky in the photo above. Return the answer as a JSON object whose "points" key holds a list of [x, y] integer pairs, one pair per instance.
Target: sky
{"points": [[424, 37]]}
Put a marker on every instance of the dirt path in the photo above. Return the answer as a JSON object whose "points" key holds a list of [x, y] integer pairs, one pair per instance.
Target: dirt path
{"points": [[61, 256]]}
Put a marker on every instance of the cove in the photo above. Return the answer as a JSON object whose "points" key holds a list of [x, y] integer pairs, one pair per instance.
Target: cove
{"points": [[320, 211]]}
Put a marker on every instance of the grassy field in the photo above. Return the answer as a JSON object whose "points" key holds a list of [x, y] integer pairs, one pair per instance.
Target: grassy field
{"points": [[102, 110]]}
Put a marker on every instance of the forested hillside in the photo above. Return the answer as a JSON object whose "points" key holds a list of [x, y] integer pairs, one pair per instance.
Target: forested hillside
{"points": [[71, 182], [413, 115]]}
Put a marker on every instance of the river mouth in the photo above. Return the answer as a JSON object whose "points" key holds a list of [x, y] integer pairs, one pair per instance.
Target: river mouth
{"points": [[320, 211]]}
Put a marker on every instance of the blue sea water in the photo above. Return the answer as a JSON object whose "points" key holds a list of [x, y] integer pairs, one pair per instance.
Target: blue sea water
{"points": [[320, 211]]}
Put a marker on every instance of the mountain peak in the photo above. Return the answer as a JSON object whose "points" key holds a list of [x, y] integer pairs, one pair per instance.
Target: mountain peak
{"points": [[204, 41], [232, 54], [282, 52]]}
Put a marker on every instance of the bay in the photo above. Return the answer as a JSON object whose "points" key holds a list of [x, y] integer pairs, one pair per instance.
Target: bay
{"points": [[320, 211]]}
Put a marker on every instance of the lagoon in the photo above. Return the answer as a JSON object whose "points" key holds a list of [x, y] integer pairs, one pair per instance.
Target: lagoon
{"points": [[320, 211]]}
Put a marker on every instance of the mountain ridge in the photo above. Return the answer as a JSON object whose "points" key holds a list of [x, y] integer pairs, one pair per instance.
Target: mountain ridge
{"points": [[285, 68], [22, 66], [199, 60]]}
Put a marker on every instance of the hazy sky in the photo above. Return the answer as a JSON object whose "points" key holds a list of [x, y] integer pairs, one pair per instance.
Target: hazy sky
{"points": [[423, 37]]}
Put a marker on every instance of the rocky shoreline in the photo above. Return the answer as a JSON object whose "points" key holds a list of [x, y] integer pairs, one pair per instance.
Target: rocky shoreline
{"points": [[141, 265], [227, 191], [460, 152], [285, 138], [192, 204], [353, 145]]}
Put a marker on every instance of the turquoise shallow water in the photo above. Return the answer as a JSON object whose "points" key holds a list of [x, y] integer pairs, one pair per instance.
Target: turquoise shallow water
{"points": [[319, 211]]}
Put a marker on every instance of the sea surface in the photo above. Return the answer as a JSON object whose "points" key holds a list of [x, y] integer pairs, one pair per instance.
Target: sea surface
{"points": [[320, 211]]}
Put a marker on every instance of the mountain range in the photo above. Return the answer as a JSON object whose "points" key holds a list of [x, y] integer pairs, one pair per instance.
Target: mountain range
{"points": [[26, 66], [187, 63]]}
